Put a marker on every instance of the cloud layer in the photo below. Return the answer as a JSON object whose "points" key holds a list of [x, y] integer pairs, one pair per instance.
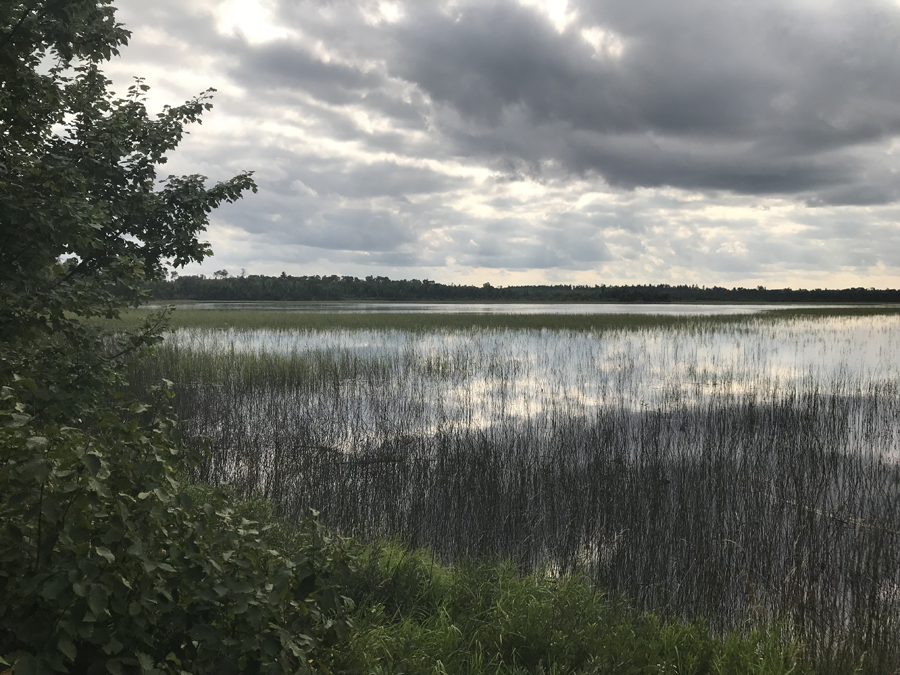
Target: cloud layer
{"points": [[701, 141]]}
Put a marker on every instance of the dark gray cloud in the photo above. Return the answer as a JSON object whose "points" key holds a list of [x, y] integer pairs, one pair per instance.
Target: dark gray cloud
{"points": [[285, 66], [754, 98], [740, 140]]}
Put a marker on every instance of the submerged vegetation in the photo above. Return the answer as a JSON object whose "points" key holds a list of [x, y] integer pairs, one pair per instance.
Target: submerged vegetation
{"points": [[740, 471]]}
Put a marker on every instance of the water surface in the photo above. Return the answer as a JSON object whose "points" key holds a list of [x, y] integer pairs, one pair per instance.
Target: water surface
{"points": [[673, 309], [735, 470]]}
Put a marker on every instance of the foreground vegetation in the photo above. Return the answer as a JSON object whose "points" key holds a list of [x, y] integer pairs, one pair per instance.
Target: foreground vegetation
{"points": [[107, 564], [417, 616]]}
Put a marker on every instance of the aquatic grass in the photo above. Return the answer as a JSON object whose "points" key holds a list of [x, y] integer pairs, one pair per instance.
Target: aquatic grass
{"points": [[251, 319], [740, 472]]}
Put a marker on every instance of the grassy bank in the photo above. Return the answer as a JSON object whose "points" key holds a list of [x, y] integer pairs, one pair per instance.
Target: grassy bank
{"points": [[417, 616]]}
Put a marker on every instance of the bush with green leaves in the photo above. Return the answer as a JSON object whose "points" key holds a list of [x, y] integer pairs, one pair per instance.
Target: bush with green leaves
{"points": [[108, 562]]}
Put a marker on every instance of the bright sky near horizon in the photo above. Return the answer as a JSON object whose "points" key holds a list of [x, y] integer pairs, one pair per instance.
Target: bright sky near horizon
{"points": [[541, 141]]}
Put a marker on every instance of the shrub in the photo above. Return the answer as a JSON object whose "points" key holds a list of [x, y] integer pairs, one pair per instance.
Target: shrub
{"points": [[107, 564]]}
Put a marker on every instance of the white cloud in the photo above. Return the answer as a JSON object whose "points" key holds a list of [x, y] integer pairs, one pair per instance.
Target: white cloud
{"points": [[253, 20], [556, 11], [606, 43]]}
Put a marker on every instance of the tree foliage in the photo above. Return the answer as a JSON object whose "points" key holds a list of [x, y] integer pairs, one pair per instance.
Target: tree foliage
{"points": [[222, 287], [107, 562], [82, 216]]}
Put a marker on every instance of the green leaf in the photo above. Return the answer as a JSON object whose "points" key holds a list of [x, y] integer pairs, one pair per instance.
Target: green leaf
{"points": [[113, 646], [26, 665], [38, 443], [136, 548], [67, 647], [98, 599], [27, 383], [145, 661], [205, 632], [105, 553], [37, 469], [91, 463], [100, 487], [52, 589], [19, 419]]}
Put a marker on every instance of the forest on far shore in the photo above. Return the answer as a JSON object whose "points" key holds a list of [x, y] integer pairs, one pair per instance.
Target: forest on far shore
{"points": [[222, 287]]}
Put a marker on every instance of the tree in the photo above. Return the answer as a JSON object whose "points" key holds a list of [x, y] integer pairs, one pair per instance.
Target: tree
{"points": [[107, 562], [83, 222]]}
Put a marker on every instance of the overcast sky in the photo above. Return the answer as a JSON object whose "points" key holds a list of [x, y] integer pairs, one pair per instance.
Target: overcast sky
{"points": [[701, 141]]}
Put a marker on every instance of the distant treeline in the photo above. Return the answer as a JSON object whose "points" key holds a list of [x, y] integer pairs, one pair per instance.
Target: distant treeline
{"points": [[331, 288]]}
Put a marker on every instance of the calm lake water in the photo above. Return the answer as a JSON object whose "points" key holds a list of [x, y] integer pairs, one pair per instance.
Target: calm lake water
{"points": [[488, 308], [730, 470], [487, 377]]}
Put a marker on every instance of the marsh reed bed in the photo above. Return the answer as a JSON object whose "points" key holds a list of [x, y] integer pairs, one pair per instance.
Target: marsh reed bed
{"points": [[744, 471]]}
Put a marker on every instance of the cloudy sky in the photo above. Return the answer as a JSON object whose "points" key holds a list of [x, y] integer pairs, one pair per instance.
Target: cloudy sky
{"points": [[541, 141]]}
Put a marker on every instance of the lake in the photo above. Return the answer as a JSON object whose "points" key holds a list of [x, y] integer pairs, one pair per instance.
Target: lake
{"points": [[730, 463], [490, 308]]}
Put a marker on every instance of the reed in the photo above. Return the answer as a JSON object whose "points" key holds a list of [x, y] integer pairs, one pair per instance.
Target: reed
{"points": [[740, 471], [286, 316]]}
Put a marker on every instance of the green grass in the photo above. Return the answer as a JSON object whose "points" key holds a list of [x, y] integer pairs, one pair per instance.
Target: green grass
{"points": [[287, 320], [417, 616]]}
